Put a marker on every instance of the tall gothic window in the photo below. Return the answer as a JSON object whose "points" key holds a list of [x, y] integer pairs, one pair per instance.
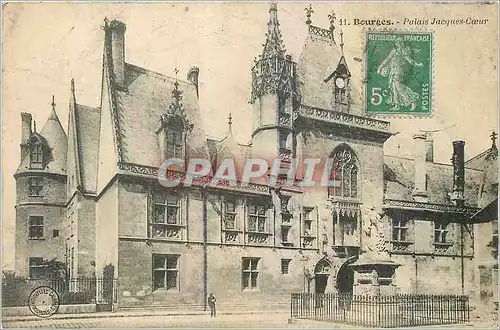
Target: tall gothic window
{"points": [[344, 174]]}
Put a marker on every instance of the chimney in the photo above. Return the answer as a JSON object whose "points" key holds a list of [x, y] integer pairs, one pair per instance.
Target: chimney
{"points": [[25, 132], [420, 191], [192, 77], [458, 196], [429, 149], [115, 44]]}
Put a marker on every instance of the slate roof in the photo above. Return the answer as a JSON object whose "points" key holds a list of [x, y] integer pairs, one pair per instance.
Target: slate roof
{"points": [[489, 182], [487, 213], [478, 162], [319, 58], [88, 121], [228, 147], [53, 135], [399, 174], [146, 96]]}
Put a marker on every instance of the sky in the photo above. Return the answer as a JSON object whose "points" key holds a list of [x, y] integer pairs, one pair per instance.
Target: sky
{"points": [[47, 44]]}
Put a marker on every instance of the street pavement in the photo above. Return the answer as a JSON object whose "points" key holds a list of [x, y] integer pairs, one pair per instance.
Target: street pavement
{"points": [[171, 321], [257, 320]]}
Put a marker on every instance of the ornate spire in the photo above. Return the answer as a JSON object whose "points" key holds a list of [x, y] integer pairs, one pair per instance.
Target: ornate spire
{"points": [[73, 96], [176, 105], [53, 104], [274, 42], [309, 11], [230, 125], [176, 108], [342, 41], [273, 71]]}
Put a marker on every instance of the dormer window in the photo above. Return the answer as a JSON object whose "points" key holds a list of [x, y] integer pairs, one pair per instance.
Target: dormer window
{"points": [[36, 155], [174, 144], [174, 138], [174, 127]]}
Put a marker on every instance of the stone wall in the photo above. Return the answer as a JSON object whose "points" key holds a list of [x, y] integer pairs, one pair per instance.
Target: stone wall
{"points": [[224, 274]]}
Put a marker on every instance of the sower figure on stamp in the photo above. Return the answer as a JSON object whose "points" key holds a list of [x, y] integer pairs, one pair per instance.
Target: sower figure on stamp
{"points": [[393, 67], [211, 304]]}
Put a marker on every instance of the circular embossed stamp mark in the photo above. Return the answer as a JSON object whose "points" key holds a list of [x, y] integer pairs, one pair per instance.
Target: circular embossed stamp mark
{"points": [[44, 301]]}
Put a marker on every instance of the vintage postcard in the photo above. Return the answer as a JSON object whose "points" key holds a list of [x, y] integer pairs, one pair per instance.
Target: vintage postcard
{"points": [[257, 164]]}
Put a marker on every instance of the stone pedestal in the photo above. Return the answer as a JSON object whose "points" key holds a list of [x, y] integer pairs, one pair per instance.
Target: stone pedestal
{"points": [[374, 275]]}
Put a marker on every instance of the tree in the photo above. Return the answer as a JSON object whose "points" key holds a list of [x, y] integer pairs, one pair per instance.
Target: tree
{"points": [[55, 269]]}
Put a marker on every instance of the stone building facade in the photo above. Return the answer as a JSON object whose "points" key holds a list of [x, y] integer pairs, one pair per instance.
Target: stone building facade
{"points": [[254, 244]]}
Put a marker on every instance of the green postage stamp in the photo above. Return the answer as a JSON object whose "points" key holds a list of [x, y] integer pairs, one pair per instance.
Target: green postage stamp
{"points": [[399, 73]]}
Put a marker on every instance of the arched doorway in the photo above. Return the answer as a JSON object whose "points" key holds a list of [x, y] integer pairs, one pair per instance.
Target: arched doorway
{"points": [[345, 283], [345, 277], [321, 273]]}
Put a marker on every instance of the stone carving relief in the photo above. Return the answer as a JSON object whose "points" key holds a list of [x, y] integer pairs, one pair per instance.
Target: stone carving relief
{"points": [[373, 229]]}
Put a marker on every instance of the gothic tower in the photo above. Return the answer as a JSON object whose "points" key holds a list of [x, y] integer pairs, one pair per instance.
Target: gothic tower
{"points": [[273, 96], [41, 195]]}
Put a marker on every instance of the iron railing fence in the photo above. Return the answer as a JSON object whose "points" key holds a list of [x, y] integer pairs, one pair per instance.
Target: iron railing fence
{"points": [[82, 290], [402, 310]]}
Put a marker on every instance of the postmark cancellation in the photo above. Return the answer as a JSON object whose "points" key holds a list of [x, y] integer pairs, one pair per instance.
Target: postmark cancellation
{"points": [[44, 301]]}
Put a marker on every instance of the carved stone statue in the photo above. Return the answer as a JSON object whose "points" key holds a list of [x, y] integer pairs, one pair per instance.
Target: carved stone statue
{"points": [[373, 229]]}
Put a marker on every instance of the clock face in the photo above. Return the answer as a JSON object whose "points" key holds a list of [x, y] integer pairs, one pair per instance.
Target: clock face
{"points": [[340, 82]]}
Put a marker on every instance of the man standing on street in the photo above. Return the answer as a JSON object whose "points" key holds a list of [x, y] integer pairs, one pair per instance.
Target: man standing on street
{"points": [[211, 304]]}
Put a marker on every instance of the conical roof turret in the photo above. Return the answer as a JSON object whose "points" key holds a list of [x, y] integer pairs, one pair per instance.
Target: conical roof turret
{"points": [[55, 142]]}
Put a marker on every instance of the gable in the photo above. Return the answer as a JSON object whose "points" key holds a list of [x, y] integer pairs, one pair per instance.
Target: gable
{"points": [[148, 96], [319, 60]]}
